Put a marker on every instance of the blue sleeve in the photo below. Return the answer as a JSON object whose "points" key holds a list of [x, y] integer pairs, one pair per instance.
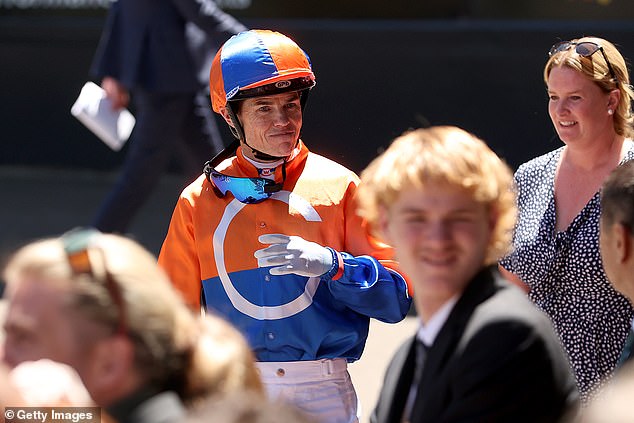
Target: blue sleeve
{"points": [[369, 288]]}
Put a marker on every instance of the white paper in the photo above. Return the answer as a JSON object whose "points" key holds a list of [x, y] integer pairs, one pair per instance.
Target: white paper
{"points": [[95, 111]]}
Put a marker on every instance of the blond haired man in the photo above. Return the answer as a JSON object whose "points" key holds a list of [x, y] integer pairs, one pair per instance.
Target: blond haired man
{"points": [[483, 352]]}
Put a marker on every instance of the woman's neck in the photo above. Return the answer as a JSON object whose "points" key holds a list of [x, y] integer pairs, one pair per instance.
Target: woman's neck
{"points": [[597, 156]]}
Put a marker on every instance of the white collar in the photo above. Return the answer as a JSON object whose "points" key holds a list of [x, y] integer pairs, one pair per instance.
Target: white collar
{"points": [[263, 165], [428, 332], [273, 165]]}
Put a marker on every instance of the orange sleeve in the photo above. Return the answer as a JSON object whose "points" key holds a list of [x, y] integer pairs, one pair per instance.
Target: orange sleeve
{"points": [[178, 255]]}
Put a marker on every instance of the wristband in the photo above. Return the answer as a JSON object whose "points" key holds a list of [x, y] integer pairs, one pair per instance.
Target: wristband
{"points": [[336, 270]]}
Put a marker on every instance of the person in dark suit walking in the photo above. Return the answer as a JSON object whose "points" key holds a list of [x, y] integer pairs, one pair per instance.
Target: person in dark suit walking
{"points": [[616, 239], [483, 352], [150, 51]]}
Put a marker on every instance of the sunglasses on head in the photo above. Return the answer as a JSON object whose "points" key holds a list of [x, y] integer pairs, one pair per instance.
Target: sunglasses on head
{"points": [[584, 49], [77, 244], [245, 190]]}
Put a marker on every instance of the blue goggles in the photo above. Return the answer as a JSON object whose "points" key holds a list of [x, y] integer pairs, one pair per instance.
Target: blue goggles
{"points": [[245, 190]]}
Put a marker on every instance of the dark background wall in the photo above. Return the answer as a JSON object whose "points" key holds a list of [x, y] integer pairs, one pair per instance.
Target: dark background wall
{"points": [[476, 64]]}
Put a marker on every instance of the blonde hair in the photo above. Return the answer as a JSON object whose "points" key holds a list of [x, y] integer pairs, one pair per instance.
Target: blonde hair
{"points": [[168, 338], [595, 68], [442, 154], [222, 360]]}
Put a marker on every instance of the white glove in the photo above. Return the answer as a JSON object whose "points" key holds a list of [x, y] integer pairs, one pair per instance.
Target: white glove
{"points": [[293, 254]]}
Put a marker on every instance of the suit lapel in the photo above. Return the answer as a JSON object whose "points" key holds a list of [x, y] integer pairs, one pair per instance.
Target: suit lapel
{"points": [[628, 349], [398, 382], [478, 290]]}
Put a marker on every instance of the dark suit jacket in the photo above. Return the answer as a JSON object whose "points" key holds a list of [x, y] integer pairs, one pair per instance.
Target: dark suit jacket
{"points": [[496, 359], [627, 354], [145, 44]]}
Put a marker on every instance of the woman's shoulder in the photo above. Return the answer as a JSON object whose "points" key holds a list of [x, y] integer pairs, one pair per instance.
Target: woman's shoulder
{"points": [[329, 169], [540, 163]]}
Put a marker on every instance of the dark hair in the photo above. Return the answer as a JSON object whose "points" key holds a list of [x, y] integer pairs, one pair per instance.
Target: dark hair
{"points": [[617, 196]]}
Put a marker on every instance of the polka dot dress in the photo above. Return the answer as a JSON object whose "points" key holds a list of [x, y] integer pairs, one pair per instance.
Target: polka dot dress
{"points": [[565, 274]]}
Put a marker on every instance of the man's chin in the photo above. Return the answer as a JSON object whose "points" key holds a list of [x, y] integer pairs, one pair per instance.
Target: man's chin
{"points": [[284, 149]]}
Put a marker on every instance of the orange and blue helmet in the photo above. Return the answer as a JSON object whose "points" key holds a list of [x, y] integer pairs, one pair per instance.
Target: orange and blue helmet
{"points": [[252, 64], [256, 63]]}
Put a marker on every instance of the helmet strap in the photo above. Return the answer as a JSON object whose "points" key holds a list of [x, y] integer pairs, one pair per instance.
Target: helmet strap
{"points": [[303, 97], [236, 127], [260, 155]]}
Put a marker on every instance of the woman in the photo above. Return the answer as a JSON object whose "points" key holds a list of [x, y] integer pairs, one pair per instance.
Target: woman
{"points": [[556, 251], [100, 303]]}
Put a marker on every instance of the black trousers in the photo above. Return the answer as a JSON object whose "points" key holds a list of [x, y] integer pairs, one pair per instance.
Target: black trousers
{"points": [[168, 126]]}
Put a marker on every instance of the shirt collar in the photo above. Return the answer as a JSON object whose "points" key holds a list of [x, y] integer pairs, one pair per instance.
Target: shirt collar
{"points": [[267, 165], [250, 167], [428, 332]]}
